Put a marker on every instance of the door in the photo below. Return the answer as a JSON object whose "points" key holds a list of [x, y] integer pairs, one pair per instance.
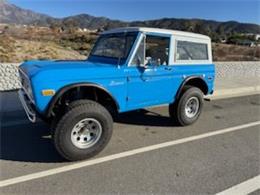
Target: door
{"points": [[149, 76]]}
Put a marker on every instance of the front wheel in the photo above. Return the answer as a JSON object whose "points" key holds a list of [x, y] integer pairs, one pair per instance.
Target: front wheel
{"points": [[187, 109], [83, 131]]}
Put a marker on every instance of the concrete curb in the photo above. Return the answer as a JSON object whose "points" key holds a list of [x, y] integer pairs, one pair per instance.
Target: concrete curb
{"points": [[235, 92]]}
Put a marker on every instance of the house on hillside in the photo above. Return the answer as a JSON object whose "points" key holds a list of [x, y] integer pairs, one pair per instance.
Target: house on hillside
{"points": [[86, 30], [248, 43], [257, 37]]}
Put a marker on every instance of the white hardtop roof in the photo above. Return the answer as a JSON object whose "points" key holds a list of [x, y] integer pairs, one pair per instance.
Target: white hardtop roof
{"points": [[156, 30]]}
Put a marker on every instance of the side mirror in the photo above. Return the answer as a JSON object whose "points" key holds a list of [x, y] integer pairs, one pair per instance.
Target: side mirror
{"points": [[141, 64], [148, 61]]}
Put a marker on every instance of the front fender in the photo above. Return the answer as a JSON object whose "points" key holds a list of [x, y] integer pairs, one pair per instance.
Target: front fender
{"points": [[70, 86]]}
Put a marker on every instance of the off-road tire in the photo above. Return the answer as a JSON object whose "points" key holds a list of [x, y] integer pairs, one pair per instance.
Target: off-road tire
{"points": [[177, 109], [111, 110], [62, 134]]}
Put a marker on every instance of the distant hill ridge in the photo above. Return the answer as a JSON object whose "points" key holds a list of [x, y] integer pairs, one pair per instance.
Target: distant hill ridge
{"points": [[12, 14]]}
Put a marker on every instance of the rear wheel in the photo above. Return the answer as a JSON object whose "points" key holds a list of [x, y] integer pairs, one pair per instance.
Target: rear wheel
{"points": [[83, 131], [187, 109]]}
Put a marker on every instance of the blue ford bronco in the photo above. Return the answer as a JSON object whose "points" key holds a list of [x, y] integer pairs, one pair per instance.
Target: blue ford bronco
{"points": [[128, 69]]}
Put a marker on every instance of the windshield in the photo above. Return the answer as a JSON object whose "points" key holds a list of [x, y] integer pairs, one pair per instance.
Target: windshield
{"points": [[114, 46]]}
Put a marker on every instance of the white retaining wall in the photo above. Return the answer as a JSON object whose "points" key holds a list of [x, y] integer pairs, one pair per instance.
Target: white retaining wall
{"points": [[9, 78]]}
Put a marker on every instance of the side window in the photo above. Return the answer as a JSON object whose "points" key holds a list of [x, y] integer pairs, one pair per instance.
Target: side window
{"points": [[152, 51], [157, 50], [187, 50]]}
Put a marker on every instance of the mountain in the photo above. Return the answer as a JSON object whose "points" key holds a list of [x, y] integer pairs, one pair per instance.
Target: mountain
{"points": [[12, 14], [201, 26], [92, 22]]}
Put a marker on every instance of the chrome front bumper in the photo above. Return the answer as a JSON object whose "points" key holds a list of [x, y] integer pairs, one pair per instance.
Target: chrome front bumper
{"points": [[30, 112]]}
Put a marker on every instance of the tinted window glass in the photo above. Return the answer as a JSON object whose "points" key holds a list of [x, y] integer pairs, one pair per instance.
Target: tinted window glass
{"points": [[191, 51]]}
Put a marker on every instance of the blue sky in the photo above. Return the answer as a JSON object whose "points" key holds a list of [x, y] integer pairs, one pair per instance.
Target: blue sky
{"points": [[129, 10]]}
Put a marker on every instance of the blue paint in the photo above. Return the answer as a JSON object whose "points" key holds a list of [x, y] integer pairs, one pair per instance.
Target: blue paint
{"points": [[132, 87], [143, 87]]}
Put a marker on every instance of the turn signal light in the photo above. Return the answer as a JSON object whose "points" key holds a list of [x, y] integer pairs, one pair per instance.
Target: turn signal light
{"points": [[48, 92]]}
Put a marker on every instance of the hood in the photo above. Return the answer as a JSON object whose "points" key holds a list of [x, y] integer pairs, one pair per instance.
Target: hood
{"points": [[35, 66]]}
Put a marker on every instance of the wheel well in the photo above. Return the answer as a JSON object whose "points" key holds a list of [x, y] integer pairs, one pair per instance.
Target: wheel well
{"points": [[196, 82], [94, 93], [199, 83]]}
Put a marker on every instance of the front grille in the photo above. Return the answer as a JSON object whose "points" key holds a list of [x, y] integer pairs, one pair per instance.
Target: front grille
{"points": [[25, 82]]}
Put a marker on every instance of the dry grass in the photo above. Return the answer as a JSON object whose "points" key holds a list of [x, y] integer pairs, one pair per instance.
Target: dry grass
{"points": [[12, 50], [224, 52], [43, 50]]}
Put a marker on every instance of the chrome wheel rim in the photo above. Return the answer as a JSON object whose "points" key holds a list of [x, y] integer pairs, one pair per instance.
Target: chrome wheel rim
{"points": [[192, 107], [86, 133]]}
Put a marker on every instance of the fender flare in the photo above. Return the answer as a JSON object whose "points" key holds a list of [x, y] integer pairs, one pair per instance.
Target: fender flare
{"points": [[64, 89], [186, 80]]}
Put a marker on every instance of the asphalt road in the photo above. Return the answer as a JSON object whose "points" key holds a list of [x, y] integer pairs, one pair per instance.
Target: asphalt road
{"points": [[205, 165]]}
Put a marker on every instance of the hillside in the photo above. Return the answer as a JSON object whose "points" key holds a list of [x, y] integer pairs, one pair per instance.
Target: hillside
{"points": [[18, 50], [19, 43], [207, 27]]}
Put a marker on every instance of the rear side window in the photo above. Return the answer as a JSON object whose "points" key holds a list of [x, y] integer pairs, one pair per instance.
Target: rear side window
{"points": [[187, 50]]}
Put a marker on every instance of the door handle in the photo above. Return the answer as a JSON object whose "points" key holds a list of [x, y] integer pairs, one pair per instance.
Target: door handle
{"points": [[168, 68]]}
